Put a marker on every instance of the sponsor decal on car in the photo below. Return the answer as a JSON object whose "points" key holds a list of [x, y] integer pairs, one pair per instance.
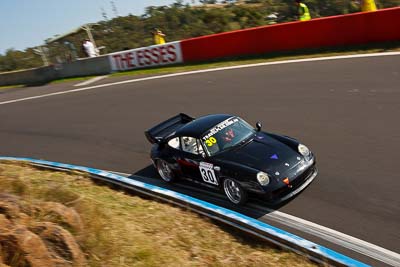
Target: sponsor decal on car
{"points": [[274, 156], [219, 127]]}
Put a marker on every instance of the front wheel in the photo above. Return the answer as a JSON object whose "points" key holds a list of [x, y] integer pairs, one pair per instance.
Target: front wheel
{"points": [[234, 191], [165, 171]]}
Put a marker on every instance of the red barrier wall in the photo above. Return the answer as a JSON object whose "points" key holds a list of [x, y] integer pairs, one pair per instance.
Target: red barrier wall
{"points": [[358, 28]]}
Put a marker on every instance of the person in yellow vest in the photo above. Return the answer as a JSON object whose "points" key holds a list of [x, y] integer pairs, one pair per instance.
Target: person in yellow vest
{"points": [[159, 37], [368, 5], [303, 12]]}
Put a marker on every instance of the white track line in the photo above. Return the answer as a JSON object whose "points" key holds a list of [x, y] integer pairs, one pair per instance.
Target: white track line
{"points": [[335, 237], [201, 71], [325, 233], [93, 80]]}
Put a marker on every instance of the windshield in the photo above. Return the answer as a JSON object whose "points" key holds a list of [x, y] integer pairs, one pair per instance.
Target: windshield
{"points": [[226, 134]]}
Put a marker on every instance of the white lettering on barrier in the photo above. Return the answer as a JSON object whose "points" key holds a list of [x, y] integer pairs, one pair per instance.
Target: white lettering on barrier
{"points": [[156, 55]]}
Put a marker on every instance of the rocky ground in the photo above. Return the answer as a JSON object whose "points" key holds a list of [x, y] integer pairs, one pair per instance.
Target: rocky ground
{"points": [[29, 235]]}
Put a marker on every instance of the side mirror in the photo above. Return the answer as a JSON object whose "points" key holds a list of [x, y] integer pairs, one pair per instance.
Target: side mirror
{"points": [[258, 126]]}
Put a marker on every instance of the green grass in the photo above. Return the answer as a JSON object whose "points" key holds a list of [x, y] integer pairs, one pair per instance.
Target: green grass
{"points": [[121, 229], [74, 79], [11, 87]]}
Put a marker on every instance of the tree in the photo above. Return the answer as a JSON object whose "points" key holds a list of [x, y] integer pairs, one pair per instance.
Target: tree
{"points": [[387, 3]]}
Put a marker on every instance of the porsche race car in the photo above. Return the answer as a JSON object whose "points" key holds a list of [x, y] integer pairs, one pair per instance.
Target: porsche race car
{"points": [[224, 152]]}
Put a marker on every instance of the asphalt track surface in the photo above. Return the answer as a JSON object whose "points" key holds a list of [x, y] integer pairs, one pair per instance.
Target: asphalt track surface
{"points": [[347, 111]]}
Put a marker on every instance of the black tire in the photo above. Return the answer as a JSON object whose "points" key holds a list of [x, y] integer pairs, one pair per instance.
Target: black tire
{"points": [[165, 171], [234, 191]]}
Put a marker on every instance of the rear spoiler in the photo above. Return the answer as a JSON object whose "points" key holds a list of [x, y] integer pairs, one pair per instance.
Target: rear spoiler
{"points": [[166, 128]]}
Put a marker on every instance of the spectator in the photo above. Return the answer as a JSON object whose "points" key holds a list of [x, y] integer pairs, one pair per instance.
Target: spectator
{"points": [[158, 36], [303, 12], [368, 5], [83, 48], [88, 48]]}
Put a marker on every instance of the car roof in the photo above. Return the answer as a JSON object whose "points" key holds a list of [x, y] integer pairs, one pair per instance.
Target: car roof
{"points": [[199, 126]]}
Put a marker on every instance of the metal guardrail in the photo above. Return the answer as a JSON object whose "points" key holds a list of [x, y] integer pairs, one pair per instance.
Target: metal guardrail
{"points": [[281, 238]]}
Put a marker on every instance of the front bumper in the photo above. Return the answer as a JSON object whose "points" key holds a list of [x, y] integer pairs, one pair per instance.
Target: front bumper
{"points": [[300, 186], [297, 185]]}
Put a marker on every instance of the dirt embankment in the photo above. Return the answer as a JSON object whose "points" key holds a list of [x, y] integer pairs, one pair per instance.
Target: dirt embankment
{"points": [[50, 218], [29, 235]]}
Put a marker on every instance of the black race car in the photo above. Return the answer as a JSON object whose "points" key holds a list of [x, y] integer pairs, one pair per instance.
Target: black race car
{"points": [[224, 151]]}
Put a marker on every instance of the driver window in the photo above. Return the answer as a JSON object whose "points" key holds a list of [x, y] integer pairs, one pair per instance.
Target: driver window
{"points": [[174, 143], [200, 148], [189, 144]]}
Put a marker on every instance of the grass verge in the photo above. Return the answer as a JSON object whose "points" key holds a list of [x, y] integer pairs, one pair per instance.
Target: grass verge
{"points": [[11, 87], [125, 230], [75, 79]]}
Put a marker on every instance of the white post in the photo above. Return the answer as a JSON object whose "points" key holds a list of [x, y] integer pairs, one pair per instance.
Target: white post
{"points": [[42, 54]]}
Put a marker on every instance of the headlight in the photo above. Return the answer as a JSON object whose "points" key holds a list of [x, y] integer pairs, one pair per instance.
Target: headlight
{"points": [[303, 150], [262, 178]]}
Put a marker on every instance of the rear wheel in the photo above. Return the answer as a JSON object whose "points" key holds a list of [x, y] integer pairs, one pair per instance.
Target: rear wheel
{"points": [[165, 171], [234, 191]]}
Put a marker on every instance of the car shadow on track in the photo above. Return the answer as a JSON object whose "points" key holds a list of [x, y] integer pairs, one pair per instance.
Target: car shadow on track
{"points": [[254, 208]]}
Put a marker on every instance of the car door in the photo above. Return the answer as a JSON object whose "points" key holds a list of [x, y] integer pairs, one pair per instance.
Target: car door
{"points": [[194, 164], [189, 158]]}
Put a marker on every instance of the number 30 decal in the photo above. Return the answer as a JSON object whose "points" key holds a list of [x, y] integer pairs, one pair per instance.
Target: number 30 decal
{"points": [[211, 141], [207, 173]]}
